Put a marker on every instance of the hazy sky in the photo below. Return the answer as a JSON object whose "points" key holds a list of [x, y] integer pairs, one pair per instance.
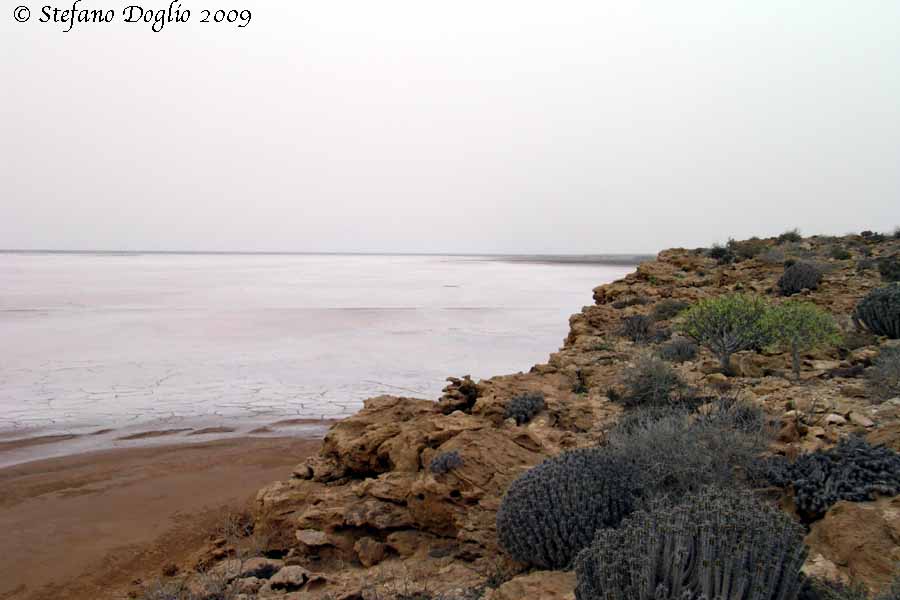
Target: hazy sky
{"points": [[461, 126]]}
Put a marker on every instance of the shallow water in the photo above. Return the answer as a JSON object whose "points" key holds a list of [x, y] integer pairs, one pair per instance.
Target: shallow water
{"points": [[95, 341]]}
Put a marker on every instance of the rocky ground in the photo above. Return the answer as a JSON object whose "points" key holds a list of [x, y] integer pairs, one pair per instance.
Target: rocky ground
{"points": [[369, 518]]}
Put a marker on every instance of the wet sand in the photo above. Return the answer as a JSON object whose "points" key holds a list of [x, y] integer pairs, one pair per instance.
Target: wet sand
{"points": [[85, 527]]}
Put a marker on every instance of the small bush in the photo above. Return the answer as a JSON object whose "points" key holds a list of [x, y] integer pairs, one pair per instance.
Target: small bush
{"points": [[800, 327], [714, 544], [798, 277], [630, 301], [839, 253], [884, 376], [879, 311], [445, 462], [668, 308], [865, 264], [651, 382], [552, 511], [677, 451], [790, 236], [678, 350], [853, 470], [889, 268], [728, 324], [773, 256], [747, 249], [524, 407], [638, 328], [721, 254], [873, 237]]}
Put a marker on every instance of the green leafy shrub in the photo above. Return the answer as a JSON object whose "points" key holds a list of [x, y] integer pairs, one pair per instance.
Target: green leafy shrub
{"points": [[678, 350], [650, 381], [727, 324], [889, 268], [677, 451], [800, 327], [798, 277], [668, 309], [445, 462], [853, 470], [879, 311], [552, 511], [715, 544], [721, 254], [524, 407], [839, 253], [884, 376], [790, 236]]}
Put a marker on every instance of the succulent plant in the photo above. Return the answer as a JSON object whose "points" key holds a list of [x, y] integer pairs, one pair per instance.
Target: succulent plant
{"points": [[715, 545], [552, 511], [445, 462], [879, 311], [798, 277], [523, 407], [651, 381], [853, 470]]}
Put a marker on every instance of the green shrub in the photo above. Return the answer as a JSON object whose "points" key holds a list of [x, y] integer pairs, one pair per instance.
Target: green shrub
{"points": [[721, 254], [879, 311], [790, 236], [884, 376], [800, 327], [727, 324], [650, 381], [552, 511], [889, 268], [799, 276], [668, 308], [678, 350], [715, 544], [839, 253]]}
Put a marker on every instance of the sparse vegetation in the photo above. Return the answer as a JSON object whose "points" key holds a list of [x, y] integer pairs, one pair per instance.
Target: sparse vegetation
{"points": [[790, 236], [445, 462], [727, 324], [524, 407], [713, 544], [879, 311], [839, 253], [638, 328], [884, 376], [889, 268], [798, 277], [800, 327], [678, 350], [650, 381], [747, 249], [721, 254], [668, 309]]}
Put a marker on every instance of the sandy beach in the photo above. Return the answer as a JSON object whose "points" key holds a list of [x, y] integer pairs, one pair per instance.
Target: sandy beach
{"points": [[89, 526]]}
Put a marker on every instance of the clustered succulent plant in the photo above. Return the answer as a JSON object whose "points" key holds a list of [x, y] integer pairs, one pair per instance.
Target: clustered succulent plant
{"points": [[715, 545], [853, 470], [552, 511], [445, 462], [879, 311], [524, 407], [798, 277]]}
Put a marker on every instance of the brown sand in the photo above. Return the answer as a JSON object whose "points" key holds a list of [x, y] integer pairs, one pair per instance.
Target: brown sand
{"points": [[87, 526]]}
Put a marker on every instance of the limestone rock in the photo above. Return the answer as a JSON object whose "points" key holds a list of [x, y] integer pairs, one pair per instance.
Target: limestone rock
{"points": [[369, 551], [546, 585]]}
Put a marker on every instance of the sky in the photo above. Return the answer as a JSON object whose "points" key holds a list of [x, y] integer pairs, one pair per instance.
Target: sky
{"points": [[466, 126]]}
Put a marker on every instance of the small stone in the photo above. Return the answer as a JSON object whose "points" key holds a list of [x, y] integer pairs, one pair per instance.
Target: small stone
{"points": [[369, 551], [312, 537], [834, 419], [789, 433], [816, 432], [860, 420], [290, 578]]}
